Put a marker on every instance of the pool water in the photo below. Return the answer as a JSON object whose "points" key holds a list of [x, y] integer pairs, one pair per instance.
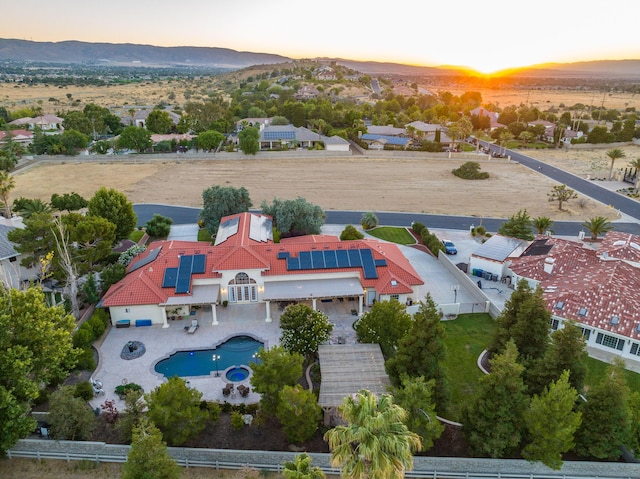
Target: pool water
{"points": [[237, 374], [234, 352]]}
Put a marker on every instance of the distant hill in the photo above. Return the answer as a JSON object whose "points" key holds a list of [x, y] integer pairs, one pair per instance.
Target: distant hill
{"points": [[131, 54]]}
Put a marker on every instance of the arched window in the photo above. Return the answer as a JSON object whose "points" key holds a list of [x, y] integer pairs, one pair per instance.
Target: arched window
{"points": [[242, 289]]}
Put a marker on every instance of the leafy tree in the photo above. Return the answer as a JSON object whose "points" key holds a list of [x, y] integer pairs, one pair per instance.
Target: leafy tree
{"points": [[35, 240], [135, 138], [597, 225], [7, 183], [561, 194], [369, 220], [71, 418], [299, 413], [493, 419], [111, 274], [209, 140], [385, 324], [149, 457], [68, 202], [566, 352], [249, 141], [72, 141], [470, 171], [175, 408], [415, 395], [634, 410], [526, 137], [220, 201], [350, 233], [460, 129], [90, 289], [295, 216], [279, 120], [114, 206], [551, 423], [518, 226], [10, 152], [159, 226], [277, 368], [614, 154], [304, 329], [421, 353], [300, 468], [206, 115], [374, 443], [92, 238], [606, 417], [159, 122], [542, 224], [35, 351]]}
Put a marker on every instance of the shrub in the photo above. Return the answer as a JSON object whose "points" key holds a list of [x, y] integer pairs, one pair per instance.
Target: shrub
{"points": [[83, 390], [97, 326], [470, 171], [123, 389], [126, 257], [369, 220], [350, 233], [481, 230], [83, 336], [85, 360], [237, 421], [418, 228]]}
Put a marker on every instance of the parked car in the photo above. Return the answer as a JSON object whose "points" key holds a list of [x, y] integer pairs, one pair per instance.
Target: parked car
{"points": [[449, 247]]}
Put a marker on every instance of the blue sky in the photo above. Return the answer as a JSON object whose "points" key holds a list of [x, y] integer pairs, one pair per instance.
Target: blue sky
{"points": [[485, 35]]}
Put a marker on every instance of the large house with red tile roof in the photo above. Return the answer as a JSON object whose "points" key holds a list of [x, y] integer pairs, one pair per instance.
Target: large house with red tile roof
{"points": [[244, 265], [596, 288]]}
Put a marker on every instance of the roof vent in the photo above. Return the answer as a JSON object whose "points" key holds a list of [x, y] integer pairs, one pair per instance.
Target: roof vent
{"points": [[582, 312], [548, 265], [559, 305], [394, 282], [615, 320]]}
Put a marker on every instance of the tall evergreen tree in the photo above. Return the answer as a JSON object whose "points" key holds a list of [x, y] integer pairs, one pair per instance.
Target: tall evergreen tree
{"points": [[422, 352], [508, 318], [385, 324], [149, 457], [531, 329], [493, 420], [552, 423], [606, 419]]}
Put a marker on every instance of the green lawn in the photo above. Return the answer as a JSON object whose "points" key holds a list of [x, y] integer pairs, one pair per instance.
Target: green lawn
{"points": [[393, 234], [136, 235], [597, 370], [203, 235], [467, 336]]}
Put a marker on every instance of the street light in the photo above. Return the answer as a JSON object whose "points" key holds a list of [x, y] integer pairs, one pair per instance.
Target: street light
{"points": [[216, 359]]}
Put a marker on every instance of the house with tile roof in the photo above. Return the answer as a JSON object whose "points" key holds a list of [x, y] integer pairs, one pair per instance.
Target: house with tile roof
{"points": [[595, 288], [24, 137], [45, 122], [245, 266], [289, 136], [492, 115]]}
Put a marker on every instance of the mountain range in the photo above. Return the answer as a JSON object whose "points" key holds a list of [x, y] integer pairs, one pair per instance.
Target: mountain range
{"points": [[119, 54]]}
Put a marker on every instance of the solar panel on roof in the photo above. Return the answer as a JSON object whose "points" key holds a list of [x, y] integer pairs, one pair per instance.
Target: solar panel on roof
{"points": [[330, 260], [199, 261], [305, 260], [184, 274], [153, 254], [354, 257], [227, 229], [170, 278], [279, 135], [343, 258], [381, 262], [283, 254], [317, 258], [368, 264], [293, 264]]}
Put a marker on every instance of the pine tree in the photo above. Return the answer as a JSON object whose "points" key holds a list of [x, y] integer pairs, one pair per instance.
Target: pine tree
{"points": [[149, 457], [421, 353]]}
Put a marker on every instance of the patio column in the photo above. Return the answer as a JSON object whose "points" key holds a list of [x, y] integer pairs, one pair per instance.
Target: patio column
{"points": [[268, 305], [214, 314], [313, 303], [360, 299], [164, 317]]}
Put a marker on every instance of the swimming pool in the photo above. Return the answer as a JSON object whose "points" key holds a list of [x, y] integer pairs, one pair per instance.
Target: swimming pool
{"points": [[236, 351]]}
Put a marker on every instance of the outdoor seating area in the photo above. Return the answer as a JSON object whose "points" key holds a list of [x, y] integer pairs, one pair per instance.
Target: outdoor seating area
{"points": [[192, 329], [244, 390], [228, 390], [97, 387]]}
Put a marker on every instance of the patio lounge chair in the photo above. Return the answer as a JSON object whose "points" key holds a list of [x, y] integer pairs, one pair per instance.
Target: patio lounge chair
{"points": [[194, 326], [244, 390], [227, 390]]}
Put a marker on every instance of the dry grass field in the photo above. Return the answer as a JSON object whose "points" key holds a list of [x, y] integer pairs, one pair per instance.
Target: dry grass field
{"points": [[350, 183]]}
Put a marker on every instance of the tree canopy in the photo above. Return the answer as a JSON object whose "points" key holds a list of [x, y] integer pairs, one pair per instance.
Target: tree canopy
{"points": [[159, 121], [35, 350], [149, 457], [249, 141], [114, 206], [220, 201], [385, 324], [518, 226], [135, 138], [275, 369], [561, 194], [295, 216], [71, 417], [209, 140], [304, 329]]}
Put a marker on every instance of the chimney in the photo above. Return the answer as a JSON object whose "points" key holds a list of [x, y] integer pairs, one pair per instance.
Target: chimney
{"points": [[548, 265]]}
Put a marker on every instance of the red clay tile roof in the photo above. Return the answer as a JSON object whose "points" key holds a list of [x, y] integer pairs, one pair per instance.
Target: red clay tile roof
{"points": [[620, 246]]}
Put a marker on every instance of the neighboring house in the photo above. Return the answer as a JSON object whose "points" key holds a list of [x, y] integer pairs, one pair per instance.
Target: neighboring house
{"points": [[386, 130], [24, 137], [259, 123], [289, 136], [492, 115], [493, 257], [44, 122], [428, 132], [596, 288], [12, 274], [245, 266], [139, 117], [336, 143], [156, 138], [378, 142], [325, 73], [307, 92]]}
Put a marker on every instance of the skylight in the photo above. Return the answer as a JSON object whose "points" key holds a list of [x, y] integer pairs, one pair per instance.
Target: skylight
{"points": [[560, 305], [615, 320], [582, 312]]}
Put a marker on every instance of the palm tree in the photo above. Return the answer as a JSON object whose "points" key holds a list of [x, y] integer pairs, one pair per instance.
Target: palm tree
{"points": [[375, 443], [597, 225], [7, 183], [369, 220], [301, 468], [614, 154], [636, 164], [542, 224], [31, 206]]}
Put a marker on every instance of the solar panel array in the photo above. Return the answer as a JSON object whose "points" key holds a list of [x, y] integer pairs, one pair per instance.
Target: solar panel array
{"points": [[336, 258], [153, 254], [180, 277], [279, 135], [226, 230]]}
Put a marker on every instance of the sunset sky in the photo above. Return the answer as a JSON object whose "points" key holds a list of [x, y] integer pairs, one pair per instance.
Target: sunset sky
{"points": [[486, 35]]}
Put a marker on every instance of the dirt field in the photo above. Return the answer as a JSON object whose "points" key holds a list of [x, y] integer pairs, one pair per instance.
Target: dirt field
{"points": [[410, 185]]}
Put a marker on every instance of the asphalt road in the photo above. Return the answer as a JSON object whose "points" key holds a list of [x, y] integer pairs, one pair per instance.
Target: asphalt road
{"points": [[187, 215]]}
